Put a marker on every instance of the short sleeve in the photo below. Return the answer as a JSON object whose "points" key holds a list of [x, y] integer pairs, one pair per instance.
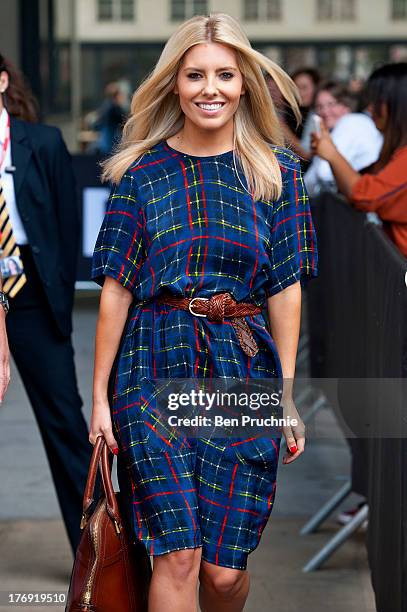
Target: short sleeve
{"points": [[119, 250], [293, 244]]}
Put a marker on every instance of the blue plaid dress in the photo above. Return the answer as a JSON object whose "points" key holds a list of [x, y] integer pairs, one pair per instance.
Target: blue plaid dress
{"points": [[185, 224]]}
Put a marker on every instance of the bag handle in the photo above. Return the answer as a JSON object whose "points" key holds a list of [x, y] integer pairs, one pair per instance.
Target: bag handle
{"points": [[90, 483], [111, 500], [100, 456], [99, 446]]}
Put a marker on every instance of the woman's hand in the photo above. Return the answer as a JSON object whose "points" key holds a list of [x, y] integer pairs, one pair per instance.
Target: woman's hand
{"points": [[4, 358], [345, 175], [294, 431], [322, 144], [101, 425]]}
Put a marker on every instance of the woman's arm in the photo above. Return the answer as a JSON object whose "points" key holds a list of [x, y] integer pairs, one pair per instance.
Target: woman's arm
{"points": [[345, 176], [293, 255], [284, 310], [113, 310]]}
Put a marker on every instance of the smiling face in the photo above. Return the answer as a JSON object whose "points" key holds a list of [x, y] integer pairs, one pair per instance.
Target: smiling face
{"points": [[330, 109], [209, 85]]}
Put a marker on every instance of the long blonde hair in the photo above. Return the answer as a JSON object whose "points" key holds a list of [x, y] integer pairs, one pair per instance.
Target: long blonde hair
{"points": [[156, 113]]}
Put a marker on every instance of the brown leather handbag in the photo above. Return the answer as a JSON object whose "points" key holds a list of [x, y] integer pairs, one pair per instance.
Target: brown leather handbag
{"points": [[111, 572]]}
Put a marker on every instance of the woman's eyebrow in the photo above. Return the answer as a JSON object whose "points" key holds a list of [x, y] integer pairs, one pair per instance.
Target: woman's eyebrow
{"points": [[218, 69]]}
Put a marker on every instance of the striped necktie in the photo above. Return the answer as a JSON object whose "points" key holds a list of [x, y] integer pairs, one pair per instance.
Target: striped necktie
{"points": [[13, 284]]}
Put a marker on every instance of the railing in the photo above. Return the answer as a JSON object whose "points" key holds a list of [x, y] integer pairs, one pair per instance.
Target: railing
{"points": [[357, 312]]}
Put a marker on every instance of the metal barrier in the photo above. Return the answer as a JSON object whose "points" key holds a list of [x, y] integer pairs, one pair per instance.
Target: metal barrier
{"points": [[358, 329]]}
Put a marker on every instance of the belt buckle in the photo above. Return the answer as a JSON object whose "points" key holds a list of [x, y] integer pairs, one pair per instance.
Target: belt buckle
{"points": [[196, 314]]}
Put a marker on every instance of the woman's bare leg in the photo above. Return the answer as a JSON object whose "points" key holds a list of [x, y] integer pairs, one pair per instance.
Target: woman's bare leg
{"points": [[222, 589], [174, 581]]}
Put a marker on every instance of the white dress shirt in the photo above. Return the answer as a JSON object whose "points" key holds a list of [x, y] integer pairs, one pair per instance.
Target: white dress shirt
{"points": [[7, 182], [357, 139]]}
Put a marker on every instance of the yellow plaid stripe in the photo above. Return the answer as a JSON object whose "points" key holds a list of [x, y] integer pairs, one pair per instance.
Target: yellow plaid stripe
{"points": [[13, 284]]}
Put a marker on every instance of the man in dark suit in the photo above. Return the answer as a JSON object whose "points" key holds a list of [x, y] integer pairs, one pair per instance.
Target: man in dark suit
{"points": [[43, 207]]}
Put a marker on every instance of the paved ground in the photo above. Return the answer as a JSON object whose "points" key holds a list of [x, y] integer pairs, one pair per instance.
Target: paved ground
{"points": [[35, 552]]}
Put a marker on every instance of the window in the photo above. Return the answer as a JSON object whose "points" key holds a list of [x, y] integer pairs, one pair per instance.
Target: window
{"points": [[105, 10], [116, 10], [127, 10], [254, 10], [184, 9], [335, 10], [399, 9]]}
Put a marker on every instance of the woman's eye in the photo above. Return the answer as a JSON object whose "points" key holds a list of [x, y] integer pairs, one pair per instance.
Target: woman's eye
{"points": [[226, 76]]}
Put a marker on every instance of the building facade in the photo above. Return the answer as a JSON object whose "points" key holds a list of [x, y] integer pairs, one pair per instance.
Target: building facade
{"points": [[121, 39], [93, 42]]}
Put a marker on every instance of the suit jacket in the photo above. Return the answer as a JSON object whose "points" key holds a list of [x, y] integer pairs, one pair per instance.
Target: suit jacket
{"points": [[48, 204]]}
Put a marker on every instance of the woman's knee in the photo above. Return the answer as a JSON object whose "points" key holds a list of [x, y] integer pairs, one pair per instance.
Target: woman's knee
{"points": [[180, 566], [225, 582]]}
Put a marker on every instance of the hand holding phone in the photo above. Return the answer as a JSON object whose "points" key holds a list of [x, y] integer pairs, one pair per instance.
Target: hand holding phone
{"points": [[316, 124], [321, 140]]}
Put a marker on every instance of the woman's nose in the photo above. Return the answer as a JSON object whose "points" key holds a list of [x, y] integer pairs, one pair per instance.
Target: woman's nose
{"points": [[210, 87]]}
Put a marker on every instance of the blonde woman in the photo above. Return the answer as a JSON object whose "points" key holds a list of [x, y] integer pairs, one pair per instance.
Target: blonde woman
{"points": [[206, 204]]}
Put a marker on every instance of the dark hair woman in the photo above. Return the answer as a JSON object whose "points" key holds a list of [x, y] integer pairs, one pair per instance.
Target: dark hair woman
{"points": [[382, 188], [39, 224], [386, 92], [307, 81], [18, 98]]}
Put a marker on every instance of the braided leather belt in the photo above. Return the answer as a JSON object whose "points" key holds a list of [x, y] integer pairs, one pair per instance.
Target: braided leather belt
{"points": [[217, 308]]}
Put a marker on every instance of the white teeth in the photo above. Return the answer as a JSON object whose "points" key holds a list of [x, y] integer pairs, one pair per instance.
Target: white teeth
{"points": [[210, 106]]}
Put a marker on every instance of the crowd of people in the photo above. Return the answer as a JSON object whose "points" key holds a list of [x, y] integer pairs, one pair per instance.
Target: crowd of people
{"points": [[355, 142]]}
